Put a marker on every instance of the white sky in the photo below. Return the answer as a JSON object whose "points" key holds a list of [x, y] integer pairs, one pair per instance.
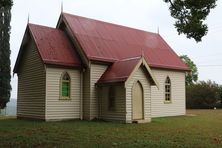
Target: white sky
{"points": [[141, 14]]}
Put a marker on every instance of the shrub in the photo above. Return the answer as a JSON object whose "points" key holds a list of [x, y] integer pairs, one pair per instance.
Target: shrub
{"points": [[204, 95]]}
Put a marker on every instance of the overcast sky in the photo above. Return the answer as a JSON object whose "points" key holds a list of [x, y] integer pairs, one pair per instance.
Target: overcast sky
{"points": [[147, 15]]}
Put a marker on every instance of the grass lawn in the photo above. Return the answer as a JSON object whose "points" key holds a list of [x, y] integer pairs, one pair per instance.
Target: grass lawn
{"points": [[202, 128]]}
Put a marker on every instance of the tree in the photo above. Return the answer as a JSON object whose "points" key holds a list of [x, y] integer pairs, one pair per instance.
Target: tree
{"points": [[5, 69], [220, 93], [192, 76], [203, 95], [189, 15]]}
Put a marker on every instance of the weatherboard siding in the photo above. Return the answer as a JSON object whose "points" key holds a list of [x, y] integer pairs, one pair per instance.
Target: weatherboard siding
{"points": [[119, 111], [86, 94], [57, 108], [95, 73], [177, 107], [31, 85], [140, 76]]}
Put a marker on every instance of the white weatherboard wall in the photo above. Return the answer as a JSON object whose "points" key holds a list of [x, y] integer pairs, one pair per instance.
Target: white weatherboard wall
{"points": [[31, 84], [57, 109], [96, 72], [142, 77], [119, 112], [86, 94], [177, 107]]}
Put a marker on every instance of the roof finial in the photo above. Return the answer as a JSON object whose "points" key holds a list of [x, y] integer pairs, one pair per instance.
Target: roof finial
{"points": [[142, 53], [62, 6], [28, 19], [158, 30]]}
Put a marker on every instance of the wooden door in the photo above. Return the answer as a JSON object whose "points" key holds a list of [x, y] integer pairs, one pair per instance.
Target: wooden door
{"points": [[137, 101]]}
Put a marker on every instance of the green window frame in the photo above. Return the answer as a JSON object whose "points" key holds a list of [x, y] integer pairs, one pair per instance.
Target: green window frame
{"points": [[168, 90], [65, 86]]}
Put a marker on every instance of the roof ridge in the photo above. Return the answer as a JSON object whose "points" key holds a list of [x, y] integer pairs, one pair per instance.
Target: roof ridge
{"points": [[31, 24], [130, 58], [118, 25]]}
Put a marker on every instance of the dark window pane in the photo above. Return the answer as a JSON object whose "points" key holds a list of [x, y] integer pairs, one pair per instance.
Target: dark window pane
{"points": [[111, 98], [167, 89], [65, 89]]}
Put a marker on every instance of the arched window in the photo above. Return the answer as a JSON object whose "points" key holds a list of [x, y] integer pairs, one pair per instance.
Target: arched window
{"points": [[111, 98], [65, 86], [167, 89]]}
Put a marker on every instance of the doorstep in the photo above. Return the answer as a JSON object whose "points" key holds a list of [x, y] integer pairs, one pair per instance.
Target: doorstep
{"points": [[142, 121]]}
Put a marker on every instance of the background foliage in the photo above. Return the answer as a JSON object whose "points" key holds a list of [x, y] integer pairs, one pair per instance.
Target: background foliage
{"points": [[191, 76], [5, 69], [190, 15], [204, 95]]}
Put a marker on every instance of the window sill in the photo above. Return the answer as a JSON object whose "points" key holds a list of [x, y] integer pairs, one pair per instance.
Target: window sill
{"points": [[167, 102], [64, 99]]}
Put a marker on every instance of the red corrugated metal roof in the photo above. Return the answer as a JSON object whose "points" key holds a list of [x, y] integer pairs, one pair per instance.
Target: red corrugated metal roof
{"points": [[54, 47], [105, 41], [119, 71]]}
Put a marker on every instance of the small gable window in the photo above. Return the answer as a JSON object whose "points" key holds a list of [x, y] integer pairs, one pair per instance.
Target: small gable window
{"points": [[65, 86], [111, 98], [167, 90]]}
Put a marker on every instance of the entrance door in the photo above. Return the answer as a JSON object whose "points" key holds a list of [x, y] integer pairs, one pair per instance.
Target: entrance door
{"points": [[137, 101]]}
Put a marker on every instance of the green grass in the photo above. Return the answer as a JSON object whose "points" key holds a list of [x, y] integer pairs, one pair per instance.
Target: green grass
{"points": [[202, 130]]}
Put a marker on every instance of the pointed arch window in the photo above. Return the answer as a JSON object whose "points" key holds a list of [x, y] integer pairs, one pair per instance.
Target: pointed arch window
{"points": [[65, 86], [167, 90]]}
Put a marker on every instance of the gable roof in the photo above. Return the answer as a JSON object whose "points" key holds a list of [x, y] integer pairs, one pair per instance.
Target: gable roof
{"points": [[53, 47], [121, 71], [103, 41]]}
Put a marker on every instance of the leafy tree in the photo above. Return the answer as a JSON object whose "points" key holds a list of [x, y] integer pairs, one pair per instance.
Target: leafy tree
{"points": [[220, 93], [192, 76], [203, 95], [5, 77], [189, 15]]}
